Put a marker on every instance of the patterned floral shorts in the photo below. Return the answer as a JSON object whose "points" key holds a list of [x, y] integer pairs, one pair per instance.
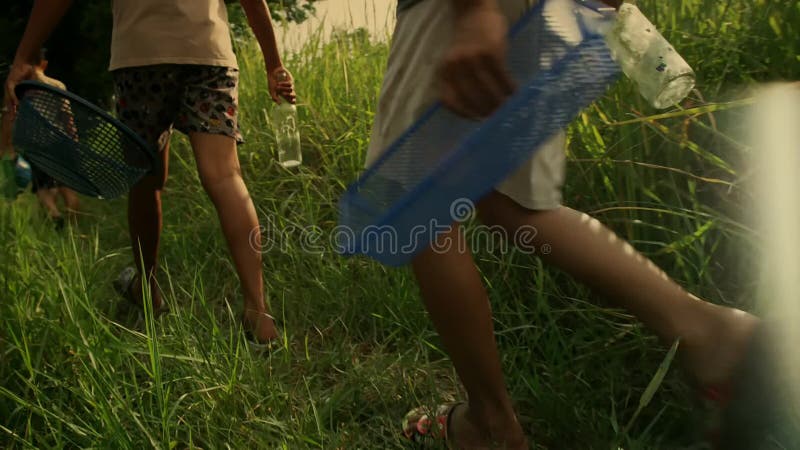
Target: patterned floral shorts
{"points": [[151, 100]]}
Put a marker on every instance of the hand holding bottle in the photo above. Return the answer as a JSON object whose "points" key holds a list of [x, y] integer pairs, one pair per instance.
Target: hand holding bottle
{"points": [[281, 85], [284, 121]]}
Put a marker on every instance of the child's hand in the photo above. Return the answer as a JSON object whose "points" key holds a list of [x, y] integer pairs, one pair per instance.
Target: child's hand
{"points": [[281, 85], [19, 72], [474, 78]]}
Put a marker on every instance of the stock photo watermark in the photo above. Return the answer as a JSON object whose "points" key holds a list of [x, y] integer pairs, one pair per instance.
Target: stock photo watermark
{"points": [[436, 234]]}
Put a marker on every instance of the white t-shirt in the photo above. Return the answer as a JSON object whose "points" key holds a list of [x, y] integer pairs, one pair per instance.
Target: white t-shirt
{"points": [[150, 32]]}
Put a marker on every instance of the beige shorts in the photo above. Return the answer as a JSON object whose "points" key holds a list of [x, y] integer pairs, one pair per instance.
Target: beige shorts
{"points": [[421, 36]]}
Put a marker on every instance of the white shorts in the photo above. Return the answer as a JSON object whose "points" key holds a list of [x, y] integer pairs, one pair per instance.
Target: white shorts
{"points": [[422, 35]]}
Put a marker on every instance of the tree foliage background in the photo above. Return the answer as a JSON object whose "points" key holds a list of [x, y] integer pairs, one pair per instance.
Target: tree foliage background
{"points": [[79, 49]]}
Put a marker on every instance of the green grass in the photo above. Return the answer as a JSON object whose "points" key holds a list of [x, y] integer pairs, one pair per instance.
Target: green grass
{"points": [[78, 369]]}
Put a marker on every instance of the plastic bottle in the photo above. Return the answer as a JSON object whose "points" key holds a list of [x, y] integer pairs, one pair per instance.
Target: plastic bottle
{"points": [[662, 75], [284, 122]]}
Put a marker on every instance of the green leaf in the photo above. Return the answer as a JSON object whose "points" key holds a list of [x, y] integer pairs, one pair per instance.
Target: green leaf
{"points": [[773, 22], [654, 384]]}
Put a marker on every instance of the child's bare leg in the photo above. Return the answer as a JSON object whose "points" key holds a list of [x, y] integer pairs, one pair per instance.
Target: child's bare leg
{"points": [[144, 225], [71, 201], [456, 300], [47, 198], [712, 337], [220, 174]]}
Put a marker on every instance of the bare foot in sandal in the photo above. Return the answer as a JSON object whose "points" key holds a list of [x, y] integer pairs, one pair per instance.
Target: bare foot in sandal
{"points": [[460, 428], [129, 285], [754, 406], [711, 353], [259, 326]]}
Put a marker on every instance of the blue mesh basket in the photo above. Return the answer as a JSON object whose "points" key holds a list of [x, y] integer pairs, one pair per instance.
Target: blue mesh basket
{"points": [[77, 143], [558, 57]]}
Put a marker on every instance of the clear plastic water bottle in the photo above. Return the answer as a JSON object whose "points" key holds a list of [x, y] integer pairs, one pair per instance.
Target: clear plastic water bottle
{"points": [[284, 122], [662, 75]]}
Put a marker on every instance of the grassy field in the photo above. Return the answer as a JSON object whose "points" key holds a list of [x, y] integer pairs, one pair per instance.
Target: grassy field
{"points": [[78, 369]]}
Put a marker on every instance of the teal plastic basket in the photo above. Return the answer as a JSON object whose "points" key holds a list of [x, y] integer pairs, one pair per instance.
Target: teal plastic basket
{"points": [[78, 144]]}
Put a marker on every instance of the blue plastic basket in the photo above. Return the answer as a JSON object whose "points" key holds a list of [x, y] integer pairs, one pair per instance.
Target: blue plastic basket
{"points": [[77, 143], [393, 211]]}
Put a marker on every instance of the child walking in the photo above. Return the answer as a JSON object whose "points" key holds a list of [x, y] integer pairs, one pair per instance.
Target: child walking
{"points": [[454, 51], [174, 67], [45, 187]]}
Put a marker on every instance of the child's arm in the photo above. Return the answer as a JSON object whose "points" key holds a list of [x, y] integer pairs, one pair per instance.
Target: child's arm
{"points": [[46, 14], [260, 21]]}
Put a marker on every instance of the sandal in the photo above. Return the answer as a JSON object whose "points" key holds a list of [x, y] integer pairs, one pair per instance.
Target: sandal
{"points": [[711, 401], [256, 346], [420, 428], [58, 222], [751, 412], [123, 285], [254, 343]]}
